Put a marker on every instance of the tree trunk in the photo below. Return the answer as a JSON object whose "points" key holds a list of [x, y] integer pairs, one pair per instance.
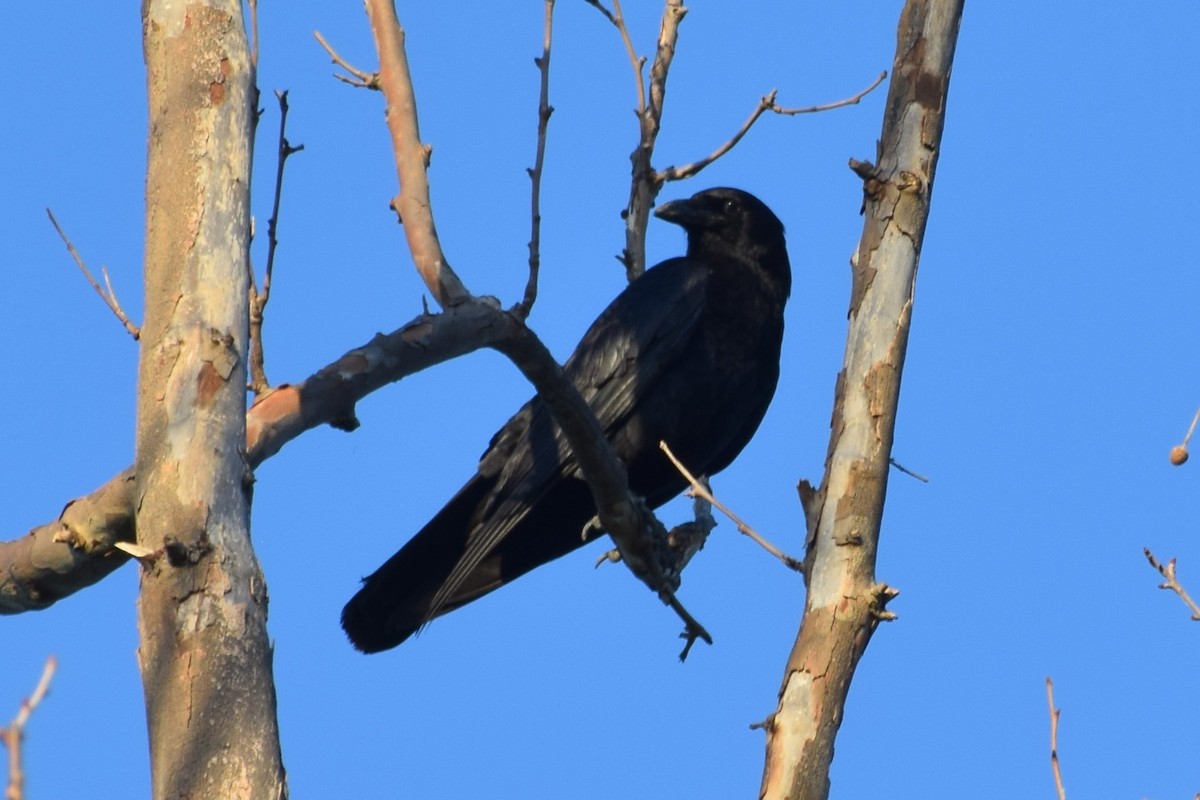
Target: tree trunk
{"points": [[844, 603], [204, 655]]}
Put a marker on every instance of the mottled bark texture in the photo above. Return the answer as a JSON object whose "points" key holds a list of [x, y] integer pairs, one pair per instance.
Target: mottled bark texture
{"points": [[845, 603], [204, 654]]}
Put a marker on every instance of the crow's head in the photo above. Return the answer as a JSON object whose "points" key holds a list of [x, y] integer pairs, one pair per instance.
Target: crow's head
{"points": [[725, 223]]}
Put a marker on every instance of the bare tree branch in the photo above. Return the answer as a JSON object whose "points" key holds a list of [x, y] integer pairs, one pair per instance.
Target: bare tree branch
{"points": [[767, 103], [908, 472], [522, 309], [1172, 583], [359, 78], [1054, 766], [617, 18], [14, 734], [109, 297], [75, 550], [845, 603], [644, 186], [849, 101], [258, 300], [412, 204], [701, 491]]}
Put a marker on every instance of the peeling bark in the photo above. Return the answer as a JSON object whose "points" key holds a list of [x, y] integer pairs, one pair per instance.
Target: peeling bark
{"points": [[844, 603], [204, 654]]}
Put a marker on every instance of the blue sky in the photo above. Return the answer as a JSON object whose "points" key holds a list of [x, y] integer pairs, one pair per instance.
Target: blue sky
{"points": [[1050, 368]]}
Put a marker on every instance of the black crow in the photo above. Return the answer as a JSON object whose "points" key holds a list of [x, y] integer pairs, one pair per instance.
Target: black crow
{"points": [[688, 354]]}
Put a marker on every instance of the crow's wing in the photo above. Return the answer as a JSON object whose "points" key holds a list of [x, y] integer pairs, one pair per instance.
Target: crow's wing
{"points": [[626, 351]]}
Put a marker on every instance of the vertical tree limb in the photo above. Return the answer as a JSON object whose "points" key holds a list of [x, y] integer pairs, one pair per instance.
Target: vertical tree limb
{"points": [[411, 157], [844, 603], [204, 654], [522, 309]]}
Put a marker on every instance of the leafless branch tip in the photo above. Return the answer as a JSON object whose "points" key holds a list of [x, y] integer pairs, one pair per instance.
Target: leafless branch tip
{"points": [[14, 734], [358, 78], [1054, 714], [1171, 582], [849, 101], [522, 309], [108, 296], [692, 631], [767, 103], [907, 471], [617, 18], [258, 300], [698, 490]]}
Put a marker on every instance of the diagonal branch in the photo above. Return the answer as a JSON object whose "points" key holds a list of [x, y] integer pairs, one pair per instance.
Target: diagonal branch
{"points": [[849, 101], [412, 204], [108, 296], [845, 602], [79, 547], [699, 490], [1172, 583], [767, 103], [358, 78], [14, 734], [617, 18]]}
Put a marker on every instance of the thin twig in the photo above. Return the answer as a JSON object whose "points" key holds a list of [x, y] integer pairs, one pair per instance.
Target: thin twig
{"points": [[849, 101], [523, 308], [1054, 713], [600, 7], [109, 297], [13, 735], [258, 300], [693, 630], [688, 170], [767, 103], [1168, 571], [698, 490], [361, 79], [617, 18], [907, 471], [1192, 427]]}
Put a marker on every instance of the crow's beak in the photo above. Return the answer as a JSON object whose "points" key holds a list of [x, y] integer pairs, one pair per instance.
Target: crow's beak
{"points": [[687, 213]]}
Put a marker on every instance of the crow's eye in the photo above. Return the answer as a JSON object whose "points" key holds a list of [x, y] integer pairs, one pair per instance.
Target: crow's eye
{"points": [[730, 205]]}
